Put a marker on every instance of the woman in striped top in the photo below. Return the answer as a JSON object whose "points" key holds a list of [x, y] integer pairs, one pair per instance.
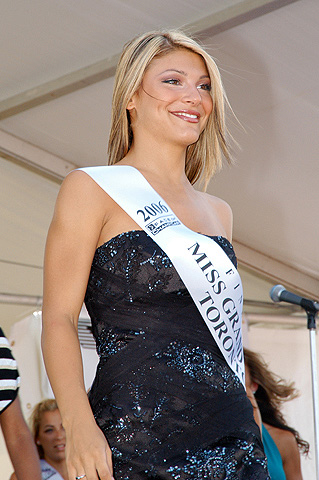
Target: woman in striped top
{"points": [[16, 433]]}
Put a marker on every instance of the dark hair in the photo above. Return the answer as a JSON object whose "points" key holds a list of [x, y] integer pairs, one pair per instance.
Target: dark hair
{"points": [[271, 393]]}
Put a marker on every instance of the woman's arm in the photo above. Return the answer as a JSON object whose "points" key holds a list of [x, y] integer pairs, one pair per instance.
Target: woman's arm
{"points": [[72, 239], [290, 455], [20, 444], [291, 460]]}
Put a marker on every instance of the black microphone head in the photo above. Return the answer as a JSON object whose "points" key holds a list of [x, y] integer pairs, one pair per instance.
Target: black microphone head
{"points": [[275, 293]]}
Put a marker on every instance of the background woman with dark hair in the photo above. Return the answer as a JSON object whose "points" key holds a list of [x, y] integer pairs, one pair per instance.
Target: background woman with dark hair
{"points": [[270, 391]]}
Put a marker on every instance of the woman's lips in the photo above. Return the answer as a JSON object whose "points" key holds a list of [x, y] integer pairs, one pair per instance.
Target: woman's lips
{"points": [[187, 115], [60, 447]]}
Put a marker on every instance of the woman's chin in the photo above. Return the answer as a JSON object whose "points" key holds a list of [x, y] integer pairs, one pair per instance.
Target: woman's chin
{"points": [[187, 139]]}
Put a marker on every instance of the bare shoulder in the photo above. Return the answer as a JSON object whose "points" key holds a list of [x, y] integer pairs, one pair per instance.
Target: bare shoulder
{"points": [[217, 203], [280, 435], [289, 451], [288, 440], [81, 195], [80, 184], [81, 211], [286, 443], [221, 210]]}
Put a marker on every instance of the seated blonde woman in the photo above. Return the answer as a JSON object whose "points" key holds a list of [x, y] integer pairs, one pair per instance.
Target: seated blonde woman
{"points": [[49, 436]]}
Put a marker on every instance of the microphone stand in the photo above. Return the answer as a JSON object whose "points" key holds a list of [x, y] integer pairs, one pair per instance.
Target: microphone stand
{"points": [[311, 325]]}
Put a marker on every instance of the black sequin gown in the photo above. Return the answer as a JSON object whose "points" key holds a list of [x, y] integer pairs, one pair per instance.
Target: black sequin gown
{"points": [[164, 397]]}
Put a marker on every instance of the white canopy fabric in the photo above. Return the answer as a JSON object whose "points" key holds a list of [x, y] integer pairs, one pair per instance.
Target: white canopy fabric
{"points": [[267, 56]]}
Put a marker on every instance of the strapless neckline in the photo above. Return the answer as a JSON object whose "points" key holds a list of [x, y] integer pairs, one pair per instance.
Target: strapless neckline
{"points": [[139, 232]]}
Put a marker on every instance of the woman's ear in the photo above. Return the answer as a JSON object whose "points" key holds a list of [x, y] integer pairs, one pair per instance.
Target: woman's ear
{"points": [[130, 106], [254, 387], [132, 102]]}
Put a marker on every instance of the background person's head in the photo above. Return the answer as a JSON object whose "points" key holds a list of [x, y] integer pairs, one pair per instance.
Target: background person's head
{"points": [[48, 432], [270, 391], [203, 156]]}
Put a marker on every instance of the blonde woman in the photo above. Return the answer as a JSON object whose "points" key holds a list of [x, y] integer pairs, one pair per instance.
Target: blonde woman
{"points": [[168, 400], [49, 437]]}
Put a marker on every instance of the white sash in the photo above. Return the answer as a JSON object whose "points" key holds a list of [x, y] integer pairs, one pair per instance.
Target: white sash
{"points": [[207, 272]]}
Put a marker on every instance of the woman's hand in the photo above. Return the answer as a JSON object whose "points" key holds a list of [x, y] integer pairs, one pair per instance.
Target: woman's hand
{"points": [[88, 453]]}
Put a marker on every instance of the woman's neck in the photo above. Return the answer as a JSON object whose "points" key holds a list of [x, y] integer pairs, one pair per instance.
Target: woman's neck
{"points": [[164, 162]]}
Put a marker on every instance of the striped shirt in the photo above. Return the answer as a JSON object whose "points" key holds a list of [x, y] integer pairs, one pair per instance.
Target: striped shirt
{"points": [[9, 375]]}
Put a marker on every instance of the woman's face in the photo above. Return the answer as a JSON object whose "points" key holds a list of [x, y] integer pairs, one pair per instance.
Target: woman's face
{"points": [[52, 436], [174, 102]]}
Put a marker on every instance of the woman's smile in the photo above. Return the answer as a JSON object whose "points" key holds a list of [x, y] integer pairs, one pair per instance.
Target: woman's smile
{"points": [[187, 115]]}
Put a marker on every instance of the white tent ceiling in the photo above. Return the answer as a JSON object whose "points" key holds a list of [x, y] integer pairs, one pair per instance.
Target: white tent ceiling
{"points": [[57, 61]]}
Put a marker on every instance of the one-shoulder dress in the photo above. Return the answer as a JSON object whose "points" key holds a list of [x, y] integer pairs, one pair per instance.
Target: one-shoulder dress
{"points": [[166, 400]]}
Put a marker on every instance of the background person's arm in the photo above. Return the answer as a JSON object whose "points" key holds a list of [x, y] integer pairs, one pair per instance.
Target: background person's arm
{"points": [[20, 444], [289, 451]]}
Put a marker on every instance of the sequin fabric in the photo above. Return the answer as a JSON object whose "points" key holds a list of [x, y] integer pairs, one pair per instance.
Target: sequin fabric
{"points": [[163, 395]]}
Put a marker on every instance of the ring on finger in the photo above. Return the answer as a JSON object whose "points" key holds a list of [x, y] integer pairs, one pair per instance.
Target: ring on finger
{"points": [[80, 476]]}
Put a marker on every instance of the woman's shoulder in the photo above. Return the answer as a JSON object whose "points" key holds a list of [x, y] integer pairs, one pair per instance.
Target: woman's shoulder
{"points": [[79, 187], [77, 179], [221, 211], [216, 202], [81, 202], [279, 432], [284, 439], [288, 449]]}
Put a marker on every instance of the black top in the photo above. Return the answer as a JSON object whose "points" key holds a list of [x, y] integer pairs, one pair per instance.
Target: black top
{"points": [[164, 396]]}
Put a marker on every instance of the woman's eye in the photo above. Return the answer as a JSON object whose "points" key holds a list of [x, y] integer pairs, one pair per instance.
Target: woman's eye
{"points": [[205, 86], [172, 81]]}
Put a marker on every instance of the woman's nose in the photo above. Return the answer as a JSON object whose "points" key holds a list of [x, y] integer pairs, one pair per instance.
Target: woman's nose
{"points": [[60, 433], [192, 95]]}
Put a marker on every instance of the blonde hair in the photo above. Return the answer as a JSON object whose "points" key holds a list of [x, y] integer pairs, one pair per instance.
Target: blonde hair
{"points": [[202, 157], [49, 405]]}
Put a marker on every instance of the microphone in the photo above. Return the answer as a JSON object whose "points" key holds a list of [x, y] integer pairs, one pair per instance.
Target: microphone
{"points": [[278, 293]]}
